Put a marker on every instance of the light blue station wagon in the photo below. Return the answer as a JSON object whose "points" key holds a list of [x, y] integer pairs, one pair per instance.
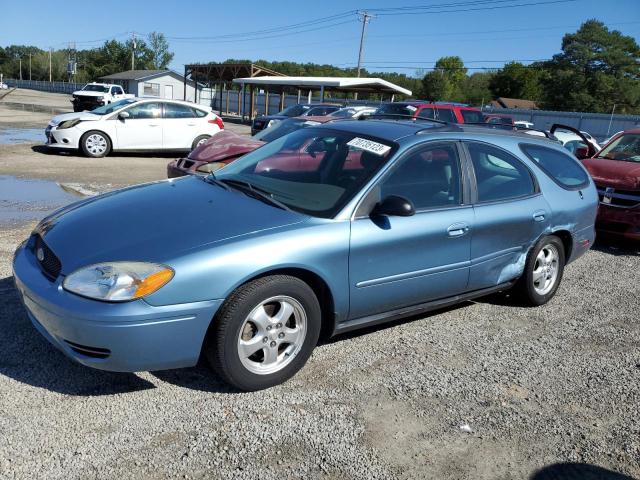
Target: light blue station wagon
{"points": [[324, 230]]}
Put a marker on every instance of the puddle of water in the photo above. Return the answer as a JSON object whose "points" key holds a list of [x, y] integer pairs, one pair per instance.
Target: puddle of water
{"points": [[23, 200], [21, 135]]}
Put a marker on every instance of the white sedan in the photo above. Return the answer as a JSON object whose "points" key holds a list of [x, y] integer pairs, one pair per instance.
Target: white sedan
{"points": [[134, 125]]}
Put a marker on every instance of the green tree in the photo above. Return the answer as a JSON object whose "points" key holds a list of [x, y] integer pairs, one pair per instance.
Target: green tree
{"points": [[159, 50], [516, 80], [446, 80], [597, 68]]}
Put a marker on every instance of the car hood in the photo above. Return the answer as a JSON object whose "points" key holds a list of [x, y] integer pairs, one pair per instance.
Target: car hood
{"points": [[223, 145], [155, 222], [87, 93], [614, 173], [84, 116]]}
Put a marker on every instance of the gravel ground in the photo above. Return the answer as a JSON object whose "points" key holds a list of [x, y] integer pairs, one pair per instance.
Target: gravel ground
{"points": [[485, 390]]}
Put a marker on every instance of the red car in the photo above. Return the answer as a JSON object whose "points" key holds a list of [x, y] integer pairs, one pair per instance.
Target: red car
{"points": [[226, 146], [616, 173], [449, 112]]}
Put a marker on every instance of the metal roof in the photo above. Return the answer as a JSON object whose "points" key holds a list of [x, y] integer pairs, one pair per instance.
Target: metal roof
{"points": [[137, 74], [225, 72], [345, 84]]}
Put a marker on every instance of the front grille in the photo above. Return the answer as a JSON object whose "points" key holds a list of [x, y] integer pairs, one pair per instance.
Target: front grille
{"points": [[93, 352], [618, 198], [49, 263]]}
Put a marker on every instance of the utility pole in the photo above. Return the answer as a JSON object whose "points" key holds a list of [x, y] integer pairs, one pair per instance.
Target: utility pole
{"points": [[364, 17], [133, 51], [49, 64], [29, 67], [20, 68]]}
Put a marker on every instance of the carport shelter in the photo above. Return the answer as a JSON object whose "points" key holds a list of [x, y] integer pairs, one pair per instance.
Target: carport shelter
{"points": [[323, 84]]}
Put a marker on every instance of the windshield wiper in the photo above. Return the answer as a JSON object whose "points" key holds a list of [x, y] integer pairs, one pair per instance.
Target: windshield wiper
{"points": [[255, 192], [211, 178]]}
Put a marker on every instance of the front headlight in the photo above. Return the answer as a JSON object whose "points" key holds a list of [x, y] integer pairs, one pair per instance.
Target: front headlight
{"points": [[69, 124], [210, 167], [272, 122], [118, 281]]}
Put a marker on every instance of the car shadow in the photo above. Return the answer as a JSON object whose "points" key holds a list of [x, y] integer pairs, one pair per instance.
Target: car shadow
{"points": [[27, 357], [616, 246], [577, 471], [43, 149]]}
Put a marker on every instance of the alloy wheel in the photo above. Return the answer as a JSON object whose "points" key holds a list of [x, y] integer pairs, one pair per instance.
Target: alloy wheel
{"points": [[545, 269], [272, 334]]}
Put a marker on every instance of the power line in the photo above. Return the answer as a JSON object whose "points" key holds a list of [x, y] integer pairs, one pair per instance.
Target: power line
{"points": [[459, 10]]}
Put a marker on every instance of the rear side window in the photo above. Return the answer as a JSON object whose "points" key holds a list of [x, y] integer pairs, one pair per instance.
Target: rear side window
{"points": [[562, 168], [499, 175], [446, 114], [472, 116]]}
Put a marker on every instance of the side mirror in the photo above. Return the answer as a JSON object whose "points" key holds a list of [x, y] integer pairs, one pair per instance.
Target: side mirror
{"points": [[394, 206], [123, 116], [582, 153]]}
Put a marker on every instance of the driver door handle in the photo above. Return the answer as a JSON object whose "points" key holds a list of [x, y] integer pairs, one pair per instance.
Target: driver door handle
{"points": [[457, 230]]}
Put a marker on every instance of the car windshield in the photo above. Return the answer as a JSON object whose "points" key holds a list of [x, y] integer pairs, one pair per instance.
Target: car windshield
{"points": [[282, 128], [625, 148], [96, 88], [294, 111], [315, 171], [112, 107], [395, 109]]}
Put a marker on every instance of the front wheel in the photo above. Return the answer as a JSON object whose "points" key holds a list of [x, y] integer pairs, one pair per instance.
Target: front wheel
{"points": [[542, 272], [199, 141], [95, 144], [264, 333]]}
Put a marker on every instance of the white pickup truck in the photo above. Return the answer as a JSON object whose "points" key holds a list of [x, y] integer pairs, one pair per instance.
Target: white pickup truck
{"points": [[94, 95]]}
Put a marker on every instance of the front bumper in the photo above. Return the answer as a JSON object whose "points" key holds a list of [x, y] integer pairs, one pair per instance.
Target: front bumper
{"points": [[123, 337], [65, 138], [181, 167], [618, 221]]}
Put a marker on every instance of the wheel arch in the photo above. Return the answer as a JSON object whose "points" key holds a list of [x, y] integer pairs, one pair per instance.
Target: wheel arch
{"points": [[317, 283], [99, 131], [567, 242]]}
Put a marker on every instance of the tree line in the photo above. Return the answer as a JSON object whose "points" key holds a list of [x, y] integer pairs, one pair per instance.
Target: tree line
{"points": [[596, 69], [113, 56]]}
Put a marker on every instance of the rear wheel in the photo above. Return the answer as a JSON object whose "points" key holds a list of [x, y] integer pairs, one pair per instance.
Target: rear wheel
{"points": [[542, 272], [264, 333], [199, 141], [95, 144]]}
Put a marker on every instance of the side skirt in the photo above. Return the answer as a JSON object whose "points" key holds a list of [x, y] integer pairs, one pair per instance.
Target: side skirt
{"points": [[399, 313]]}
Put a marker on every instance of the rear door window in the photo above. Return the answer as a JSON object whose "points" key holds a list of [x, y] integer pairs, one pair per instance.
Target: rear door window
{"points": [[499, 175], [446, 114], [471, 116], [561, 167], [175, 110]]}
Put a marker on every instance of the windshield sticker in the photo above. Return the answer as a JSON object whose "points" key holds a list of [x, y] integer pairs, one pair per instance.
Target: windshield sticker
{"points": [[411, 108], [369, 146]]}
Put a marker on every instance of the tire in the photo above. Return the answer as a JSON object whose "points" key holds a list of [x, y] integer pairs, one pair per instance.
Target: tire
{"points": [[269, 359], [542, 272], [95, 144], [199, 140]]}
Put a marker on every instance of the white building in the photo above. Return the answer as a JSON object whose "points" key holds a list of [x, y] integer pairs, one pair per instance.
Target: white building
{"points": [[156, 83]]}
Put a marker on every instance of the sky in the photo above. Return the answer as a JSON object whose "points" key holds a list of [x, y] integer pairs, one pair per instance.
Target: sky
{"points": [[486, 36]]}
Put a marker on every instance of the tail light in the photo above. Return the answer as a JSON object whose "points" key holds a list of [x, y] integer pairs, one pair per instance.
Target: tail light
{"points": [[217, 121]]}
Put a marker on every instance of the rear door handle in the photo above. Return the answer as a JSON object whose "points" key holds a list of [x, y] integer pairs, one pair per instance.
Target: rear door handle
{"points": [[457, 229], [539, 216]]}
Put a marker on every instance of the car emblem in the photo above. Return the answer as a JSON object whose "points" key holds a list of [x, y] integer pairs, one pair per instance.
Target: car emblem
{"points": [[608, 195], [40, 254]]}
